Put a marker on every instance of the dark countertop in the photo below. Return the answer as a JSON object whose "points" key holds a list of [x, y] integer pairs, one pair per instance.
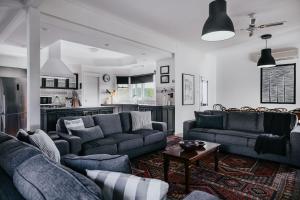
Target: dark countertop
{"points": [[128, 104], [79, 108]]}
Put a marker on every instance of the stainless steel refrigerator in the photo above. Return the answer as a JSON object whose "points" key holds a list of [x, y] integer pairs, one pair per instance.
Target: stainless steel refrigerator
{"points": [[12, 102]]}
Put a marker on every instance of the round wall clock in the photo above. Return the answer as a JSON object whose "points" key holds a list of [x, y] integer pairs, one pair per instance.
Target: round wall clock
{"points": [[106, 78]]}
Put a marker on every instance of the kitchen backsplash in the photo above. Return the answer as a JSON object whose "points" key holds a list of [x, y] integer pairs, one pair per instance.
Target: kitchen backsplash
{"points": [[60, 93]]}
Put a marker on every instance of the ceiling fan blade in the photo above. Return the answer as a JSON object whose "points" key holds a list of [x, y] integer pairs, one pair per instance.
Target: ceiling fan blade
{"points": [[271, 24]]}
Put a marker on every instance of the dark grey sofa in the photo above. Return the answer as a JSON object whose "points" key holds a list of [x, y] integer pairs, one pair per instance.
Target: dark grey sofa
{"points": [[118, 136], [239, 133]]}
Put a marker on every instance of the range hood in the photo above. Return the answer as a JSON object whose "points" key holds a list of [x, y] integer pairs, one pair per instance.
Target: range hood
{"points": [[54, 66]]}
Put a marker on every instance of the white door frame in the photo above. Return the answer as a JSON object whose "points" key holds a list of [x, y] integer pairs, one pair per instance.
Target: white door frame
{"points": [[93, 74]]}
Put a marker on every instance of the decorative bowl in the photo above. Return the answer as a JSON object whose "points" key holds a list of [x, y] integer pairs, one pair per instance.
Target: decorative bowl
{"points": [[191, 145]]}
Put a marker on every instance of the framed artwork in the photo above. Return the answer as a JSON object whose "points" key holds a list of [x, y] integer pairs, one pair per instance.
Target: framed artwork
{"points": [[165, 69], [204, 92], [278, 84], [188, 89], [164, 79]]}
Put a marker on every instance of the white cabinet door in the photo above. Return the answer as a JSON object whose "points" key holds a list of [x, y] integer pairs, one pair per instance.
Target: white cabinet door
{"points": [[91, 90]]}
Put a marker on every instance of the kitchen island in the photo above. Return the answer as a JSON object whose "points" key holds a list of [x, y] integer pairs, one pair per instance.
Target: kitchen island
{"points": [[49, 116]]}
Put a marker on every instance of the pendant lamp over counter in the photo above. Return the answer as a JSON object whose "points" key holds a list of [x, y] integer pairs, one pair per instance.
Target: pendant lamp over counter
{"points": [[218, 26], [266, 58]]}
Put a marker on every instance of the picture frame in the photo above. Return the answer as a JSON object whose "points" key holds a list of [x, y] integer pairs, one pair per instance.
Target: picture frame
{"points": [[204, 92], [188, 89], [165, 79], [278, 84], [165, 69]]}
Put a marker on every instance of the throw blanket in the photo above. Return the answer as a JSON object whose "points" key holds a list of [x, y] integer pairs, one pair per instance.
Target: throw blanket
{"points": [[278, 127]]}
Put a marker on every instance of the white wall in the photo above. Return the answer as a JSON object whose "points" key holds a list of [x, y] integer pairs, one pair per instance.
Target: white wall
{"points": [[238, 78]]}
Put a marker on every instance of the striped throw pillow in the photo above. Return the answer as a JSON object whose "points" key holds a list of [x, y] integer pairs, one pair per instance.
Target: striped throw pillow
{"points": [[141, 120], [41, 140], [122, 186], [76, 124]]}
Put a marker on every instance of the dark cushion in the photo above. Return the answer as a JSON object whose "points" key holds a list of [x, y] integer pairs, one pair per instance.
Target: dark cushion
{"points": [[87, 121], [4, 137], [209, 121], [116, 163], [260, 122], [51, 181], [89, 134], [109, 123], [151, 136], [127, 141], [7, 188], [126, 121], [224, 114], [242, 121], [100, 146], [23, 136], [13, 153], [206, 112]]}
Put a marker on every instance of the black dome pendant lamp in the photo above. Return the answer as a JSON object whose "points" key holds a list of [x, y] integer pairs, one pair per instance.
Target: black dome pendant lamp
{"points": [[218, 26], [266, 59]]}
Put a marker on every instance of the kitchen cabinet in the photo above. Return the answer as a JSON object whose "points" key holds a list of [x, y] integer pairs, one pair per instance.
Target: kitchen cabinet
{"points": [[60, 83]]}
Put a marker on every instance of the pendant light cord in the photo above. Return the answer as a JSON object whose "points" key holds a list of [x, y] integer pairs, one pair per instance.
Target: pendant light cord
{"points": [[266, 43]]}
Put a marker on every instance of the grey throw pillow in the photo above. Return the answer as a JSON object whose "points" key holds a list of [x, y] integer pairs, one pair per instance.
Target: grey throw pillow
{"points": [[75, 124], [89, 134], [23, 136], [125, 186], [141, 120], [42, 141]]}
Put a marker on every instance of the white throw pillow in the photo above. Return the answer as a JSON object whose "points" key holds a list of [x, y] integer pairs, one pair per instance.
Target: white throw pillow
{"points": [[141, 120], [41, 140], [122, 186], [76, 124]]}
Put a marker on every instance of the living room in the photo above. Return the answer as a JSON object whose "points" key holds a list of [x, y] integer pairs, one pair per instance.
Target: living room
{"points": [[221, 124]]}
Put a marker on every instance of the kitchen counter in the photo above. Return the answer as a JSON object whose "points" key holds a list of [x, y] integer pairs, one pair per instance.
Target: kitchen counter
{"points": [[71, 108]]}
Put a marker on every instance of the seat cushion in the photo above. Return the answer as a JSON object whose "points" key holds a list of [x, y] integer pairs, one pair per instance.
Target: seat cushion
{"points": [[100, 146], [89, 134], [87, 121], [109, 123], [7, 189], [127, 141], [151, 136], [126, 121], [243, 121], [60, 181]]}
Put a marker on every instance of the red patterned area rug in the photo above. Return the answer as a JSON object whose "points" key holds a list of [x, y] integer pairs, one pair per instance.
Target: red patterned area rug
{"points": [[238, 178]]}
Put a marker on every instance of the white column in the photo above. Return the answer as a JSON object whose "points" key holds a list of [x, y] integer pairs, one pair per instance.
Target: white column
{"points": [[33, 69]]}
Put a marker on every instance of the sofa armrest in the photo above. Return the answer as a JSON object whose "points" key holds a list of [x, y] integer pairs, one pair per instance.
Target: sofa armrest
{"points": [[187, 125], [62, 146], [74, 141], [160, 126]]}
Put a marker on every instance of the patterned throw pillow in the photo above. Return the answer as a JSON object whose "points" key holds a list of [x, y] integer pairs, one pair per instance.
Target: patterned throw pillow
{"points": [[42, 141], [141, 120], [121, 186], [75, 124]]}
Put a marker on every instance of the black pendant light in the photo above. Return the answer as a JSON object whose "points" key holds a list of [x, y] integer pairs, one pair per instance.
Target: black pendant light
{"points": [[218, 26], [266, 58]]}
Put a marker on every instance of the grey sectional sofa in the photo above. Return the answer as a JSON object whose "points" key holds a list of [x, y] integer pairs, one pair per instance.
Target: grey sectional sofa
{"points": [[239, 134], [118, 136]]}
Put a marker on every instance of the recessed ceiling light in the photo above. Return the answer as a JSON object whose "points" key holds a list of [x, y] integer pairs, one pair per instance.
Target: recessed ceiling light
{"points": [[106, 44]]}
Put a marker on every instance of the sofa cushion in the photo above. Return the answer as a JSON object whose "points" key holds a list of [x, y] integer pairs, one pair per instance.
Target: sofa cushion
{"points": [[52, 181], [109, 123], [126, 121], [127, 141], [100, 146], [230, 132], [197, 134], [13, 153], [151, 136], [224, 114], [87, 121], [141, 120], [260, 122], [116, 163], [209, 121], [89, 134], [242, 121], [7, 189], [23, 136]]}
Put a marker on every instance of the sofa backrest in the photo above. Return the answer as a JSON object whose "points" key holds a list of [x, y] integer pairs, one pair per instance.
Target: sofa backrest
{"points": [[87, 121], [109, 123], [126, 121]]}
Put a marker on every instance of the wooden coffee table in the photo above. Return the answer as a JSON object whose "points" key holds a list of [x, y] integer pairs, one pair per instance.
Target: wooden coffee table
{"points": [[188, 158]]}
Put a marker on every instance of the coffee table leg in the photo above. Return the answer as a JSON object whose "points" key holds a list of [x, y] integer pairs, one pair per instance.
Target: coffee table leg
{"points": [[187, 177], [166, 168], [217, 159]]}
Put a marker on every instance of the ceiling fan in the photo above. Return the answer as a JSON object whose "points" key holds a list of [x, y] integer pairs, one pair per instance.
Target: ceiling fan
{"points": [[253, 27]]}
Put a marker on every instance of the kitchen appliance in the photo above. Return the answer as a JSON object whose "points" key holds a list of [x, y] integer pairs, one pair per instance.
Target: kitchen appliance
{"points": [[13, 104], [45, 100]]}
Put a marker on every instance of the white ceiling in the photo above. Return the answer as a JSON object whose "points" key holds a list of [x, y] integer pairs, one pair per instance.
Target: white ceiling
{"points": [[184, 19]]}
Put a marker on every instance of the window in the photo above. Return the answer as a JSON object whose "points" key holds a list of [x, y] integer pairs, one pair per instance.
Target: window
{"points": [[143, 91], [123, 92]]}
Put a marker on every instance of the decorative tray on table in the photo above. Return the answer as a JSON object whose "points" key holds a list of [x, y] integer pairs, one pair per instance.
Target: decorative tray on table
{"points": [[191, 145]]}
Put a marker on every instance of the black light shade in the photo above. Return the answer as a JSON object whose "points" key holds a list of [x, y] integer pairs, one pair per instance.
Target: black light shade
{"points": [[266, 59], [218, 26]]}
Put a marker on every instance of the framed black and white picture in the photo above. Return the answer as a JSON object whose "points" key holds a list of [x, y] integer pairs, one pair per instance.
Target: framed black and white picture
{"points": [[188, 89], [203, 92], [278, 84], [165, 69], [164, 79]]}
